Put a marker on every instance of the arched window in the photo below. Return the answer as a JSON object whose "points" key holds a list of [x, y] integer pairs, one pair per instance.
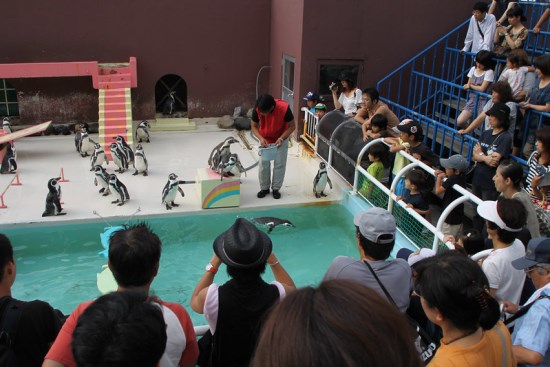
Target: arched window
{"points": [[169, 86]]}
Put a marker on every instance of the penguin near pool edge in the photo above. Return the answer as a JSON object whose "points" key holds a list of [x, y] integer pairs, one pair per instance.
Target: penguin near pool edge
{"points": [[119, 189], [320, 181], [171, 189], [53, 199]]}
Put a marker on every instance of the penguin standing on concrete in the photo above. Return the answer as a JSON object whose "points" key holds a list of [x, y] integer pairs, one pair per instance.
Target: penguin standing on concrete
{"points": [[119, 158], [171, 189], [53, 199], [320, 181], [169, 107], [6, 125], [9, 162], [102, 179], [140, 161], [86, 145], [221, 151], [142, 132], [77, 135], [98, 157], [125, 148], [119, 189]]}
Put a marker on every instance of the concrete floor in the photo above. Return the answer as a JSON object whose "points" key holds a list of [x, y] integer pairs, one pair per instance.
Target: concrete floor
{"points": [[41, 158]]}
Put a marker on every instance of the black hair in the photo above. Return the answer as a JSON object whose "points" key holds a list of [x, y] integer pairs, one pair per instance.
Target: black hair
{"points": [[516, 11], [372, 93], [543, 64], [504, 123], [419, 178], [504, 90], [486, 58], [375, 250], [514, 59], [513, 214], [246, 274], [511, 169], [134, 255], [458, 288], [481, 6], [379, 120], [120, 329], [265, 103], [523, 56], [543, 135], [348, 78], [473, 242], [381, 152], [6, 254]]}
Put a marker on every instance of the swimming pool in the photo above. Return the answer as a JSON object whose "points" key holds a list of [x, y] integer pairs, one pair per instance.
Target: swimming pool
{"points": [[59, 264]]}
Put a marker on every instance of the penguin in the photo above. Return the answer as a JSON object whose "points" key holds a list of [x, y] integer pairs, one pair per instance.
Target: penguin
{"points": [[220, 151], [9, 162], [6, 125], [102, 179], [142, 132], [53, 199], [140, 161], [77, 135], [238, 168], [86, 144], [119, 158], [119, 189], [169, 106], [171, 189], [272, 222], [226, 166], [124, 147], [98, 157], [320, 181]]}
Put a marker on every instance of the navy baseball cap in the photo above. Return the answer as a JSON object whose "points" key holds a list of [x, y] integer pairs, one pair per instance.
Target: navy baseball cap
{"points": [[311, 96], [538, 252]]}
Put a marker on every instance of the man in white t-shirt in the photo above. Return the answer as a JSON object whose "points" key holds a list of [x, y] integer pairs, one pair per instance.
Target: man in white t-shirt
{"points": [[481, 31], [505, 219]]}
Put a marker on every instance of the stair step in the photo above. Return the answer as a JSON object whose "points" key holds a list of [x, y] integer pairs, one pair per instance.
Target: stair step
{"points": [[444, 118], [173, 124], [453, 103]]}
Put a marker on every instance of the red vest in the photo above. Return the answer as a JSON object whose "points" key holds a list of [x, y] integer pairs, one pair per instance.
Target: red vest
{"points": [[273, 125]]}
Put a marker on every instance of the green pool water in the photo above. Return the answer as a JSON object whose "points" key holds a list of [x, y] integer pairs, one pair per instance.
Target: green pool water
{"points": [[59, 264]]}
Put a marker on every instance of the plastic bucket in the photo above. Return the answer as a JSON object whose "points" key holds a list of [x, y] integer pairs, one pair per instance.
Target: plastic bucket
{"points": [[269, 153]]}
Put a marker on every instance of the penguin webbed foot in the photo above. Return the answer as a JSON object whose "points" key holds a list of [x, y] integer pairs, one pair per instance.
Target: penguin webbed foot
{"points": [[114, 202], [174, 204], [121, 203], [168, 207], [102, 190], [135, 173], [323, 194], [106, 193], [61, 213], [145, 173]]}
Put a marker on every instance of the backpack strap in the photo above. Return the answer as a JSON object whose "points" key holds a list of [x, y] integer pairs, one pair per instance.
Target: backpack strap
{"points": [[11, 313], [522, 311]]}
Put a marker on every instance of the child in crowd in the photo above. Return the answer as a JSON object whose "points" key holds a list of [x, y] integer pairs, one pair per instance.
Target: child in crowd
{"points": [[378, 128], [454, 174], [320, 110], [410, 139], [480, 78], [471, 242], [378, 156], [311, 99], [514, 75], [417, 184]]}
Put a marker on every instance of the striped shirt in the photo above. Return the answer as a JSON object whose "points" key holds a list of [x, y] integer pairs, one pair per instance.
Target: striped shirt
{"points": [[535, 169]]}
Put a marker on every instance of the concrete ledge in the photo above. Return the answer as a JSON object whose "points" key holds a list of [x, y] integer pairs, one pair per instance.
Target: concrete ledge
{"points": [[172, 124]]}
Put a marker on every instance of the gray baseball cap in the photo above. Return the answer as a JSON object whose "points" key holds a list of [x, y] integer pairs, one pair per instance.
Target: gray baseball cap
{"points": [[374, 223], [455, 162]]}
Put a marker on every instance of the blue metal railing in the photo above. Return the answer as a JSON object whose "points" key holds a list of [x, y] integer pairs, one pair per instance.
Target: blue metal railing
{"points": [[429, 87]]}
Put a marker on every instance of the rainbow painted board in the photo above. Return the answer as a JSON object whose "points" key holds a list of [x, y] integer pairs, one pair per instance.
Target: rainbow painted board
{"points": [[216, 193]]}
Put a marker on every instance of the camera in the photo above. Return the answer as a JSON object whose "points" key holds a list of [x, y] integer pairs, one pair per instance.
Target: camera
{"points": [[333, 86]]}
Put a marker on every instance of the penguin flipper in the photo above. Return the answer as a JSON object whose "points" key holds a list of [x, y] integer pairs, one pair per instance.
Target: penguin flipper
{"points": [[181, 191], [329, 183]]}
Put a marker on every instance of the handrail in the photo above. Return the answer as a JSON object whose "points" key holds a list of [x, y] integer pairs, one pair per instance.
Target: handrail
{"points": [[10, 184]]}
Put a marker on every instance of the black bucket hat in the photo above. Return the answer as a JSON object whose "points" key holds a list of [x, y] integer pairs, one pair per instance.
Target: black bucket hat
{"points": [[243, 245]]}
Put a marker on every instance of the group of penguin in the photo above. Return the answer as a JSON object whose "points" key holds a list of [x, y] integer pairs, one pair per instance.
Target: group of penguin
{"points": [[220, 160], [122, 156]]}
